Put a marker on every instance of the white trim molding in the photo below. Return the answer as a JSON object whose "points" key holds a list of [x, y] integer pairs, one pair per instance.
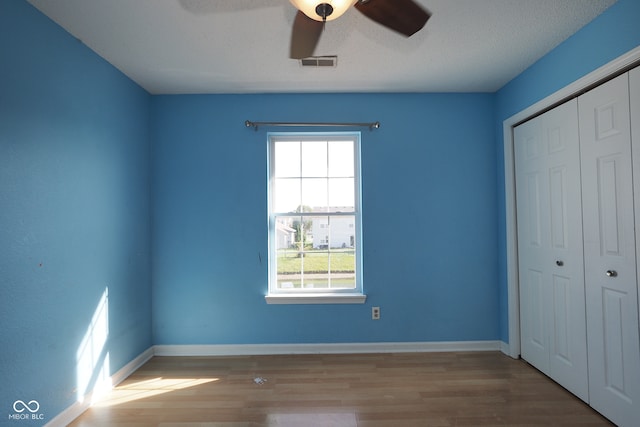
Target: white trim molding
{"points": [[132, 366], [67, 416], [337, 298], [329, 348], [574, 89], [504, 348]]}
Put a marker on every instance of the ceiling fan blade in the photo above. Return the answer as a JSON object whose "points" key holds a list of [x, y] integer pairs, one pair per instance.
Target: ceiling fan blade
{"points": [[304, 37], [404, 16]]}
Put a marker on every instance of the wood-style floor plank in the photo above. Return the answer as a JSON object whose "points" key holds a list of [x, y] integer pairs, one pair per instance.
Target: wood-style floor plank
{"points": [[364, 390]]}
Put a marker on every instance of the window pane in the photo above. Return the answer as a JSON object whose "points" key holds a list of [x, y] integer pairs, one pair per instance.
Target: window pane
{"points": [[316, 269], [285, 233], [341, 162], [287, 195], [302, 232], [342, 194], [319, 232], [314, 194], [289, 268], [287, 159], [343, 269], [314, 159], [315, 252], [293, 238], [343, 231]]}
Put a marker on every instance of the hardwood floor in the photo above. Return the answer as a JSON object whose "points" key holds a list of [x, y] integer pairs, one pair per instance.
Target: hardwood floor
{"points": [[414, 389]]}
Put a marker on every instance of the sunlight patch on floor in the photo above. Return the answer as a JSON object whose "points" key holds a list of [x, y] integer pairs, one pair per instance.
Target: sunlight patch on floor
{"points": [[130, 392]]}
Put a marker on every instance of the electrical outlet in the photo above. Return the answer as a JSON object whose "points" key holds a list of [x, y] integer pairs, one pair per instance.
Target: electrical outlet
{"points": [[375, 313]]}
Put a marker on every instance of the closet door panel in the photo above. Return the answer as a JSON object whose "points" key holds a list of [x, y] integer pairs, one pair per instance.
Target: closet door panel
{"points": [[567, 327], [610, 252], [550, 247], [634, 93], [532, 204]]}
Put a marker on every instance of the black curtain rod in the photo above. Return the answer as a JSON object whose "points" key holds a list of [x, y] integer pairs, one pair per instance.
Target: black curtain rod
{"points": [[255, 125]]}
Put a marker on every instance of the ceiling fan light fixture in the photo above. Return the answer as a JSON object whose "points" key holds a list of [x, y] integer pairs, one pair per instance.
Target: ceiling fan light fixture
{"points": [[313, 8]]}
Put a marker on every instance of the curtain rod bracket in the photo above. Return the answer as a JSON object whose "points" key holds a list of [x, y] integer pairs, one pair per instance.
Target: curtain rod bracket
{"points": [[255, 125]]}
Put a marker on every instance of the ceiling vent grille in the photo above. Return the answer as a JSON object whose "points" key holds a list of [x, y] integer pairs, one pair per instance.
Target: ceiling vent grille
{"points": [[319, 61]]}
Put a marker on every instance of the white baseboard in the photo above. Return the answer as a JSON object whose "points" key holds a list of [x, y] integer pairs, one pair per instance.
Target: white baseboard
{"points": [[346, 348], [505, 348], [132, 366], [65, 417]]}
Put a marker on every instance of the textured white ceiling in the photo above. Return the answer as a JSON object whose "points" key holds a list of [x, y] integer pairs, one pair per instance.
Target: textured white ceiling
{"points": [[242, 46]]}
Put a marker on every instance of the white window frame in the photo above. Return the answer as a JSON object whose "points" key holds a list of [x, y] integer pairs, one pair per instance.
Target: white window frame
{"points": [[314, 296]]}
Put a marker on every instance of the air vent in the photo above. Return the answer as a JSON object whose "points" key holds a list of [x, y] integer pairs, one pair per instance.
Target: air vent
{"points": [[319, 61]]}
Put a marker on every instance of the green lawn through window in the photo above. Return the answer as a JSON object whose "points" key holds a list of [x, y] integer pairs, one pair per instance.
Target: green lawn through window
{"points": [[316, 261]]}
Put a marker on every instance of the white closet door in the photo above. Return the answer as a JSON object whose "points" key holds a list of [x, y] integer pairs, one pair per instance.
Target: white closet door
{"points": [[531, 204], [610, 257], [552, 301], [634, 93]]}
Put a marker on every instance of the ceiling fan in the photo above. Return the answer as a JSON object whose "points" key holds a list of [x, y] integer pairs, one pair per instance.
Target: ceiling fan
{"points": [[403, 16]]}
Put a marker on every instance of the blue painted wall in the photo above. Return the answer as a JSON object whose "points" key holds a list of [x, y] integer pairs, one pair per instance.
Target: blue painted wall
{"points": [[86, 205], [610, 35], [429, 220], [74, 212]]}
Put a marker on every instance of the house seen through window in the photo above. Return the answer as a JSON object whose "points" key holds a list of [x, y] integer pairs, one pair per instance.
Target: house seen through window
{"points": [[314, 213]]}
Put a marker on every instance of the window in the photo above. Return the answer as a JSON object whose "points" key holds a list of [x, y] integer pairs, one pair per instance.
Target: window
{"points": [[314, 218]]}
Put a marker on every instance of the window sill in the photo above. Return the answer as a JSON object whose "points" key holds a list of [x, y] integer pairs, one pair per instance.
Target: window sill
{"points": [[315, 298]]}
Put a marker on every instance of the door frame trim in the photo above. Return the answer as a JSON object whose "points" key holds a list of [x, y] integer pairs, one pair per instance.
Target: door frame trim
{"points": [[598, 76]]}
